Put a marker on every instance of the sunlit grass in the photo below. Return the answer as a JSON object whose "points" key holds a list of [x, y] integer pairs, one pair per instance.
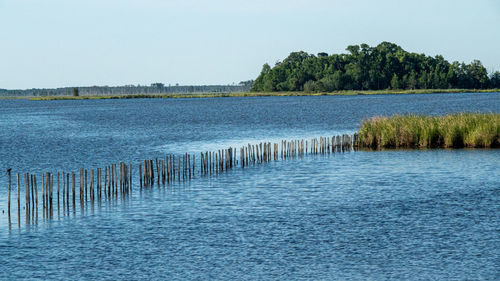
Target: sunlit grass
{"points": [[419, 131]]}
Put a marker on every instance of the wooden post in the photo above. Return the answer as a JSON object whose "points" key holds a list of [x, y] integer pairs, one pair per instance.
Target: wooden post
{"points": [[26, 196], [43, 195], [202, 162], [115, 176], [130, 176], [209, 163], [81, 186], [86, 185], [51, 195], [91, 187], [140, 175], [8, 208], [121, 177], [112, 179], [63, 190], [122, 183], [168, 165], [67, 191], [106, 178], [36, 199], [125, 177], [183, 167], [46, 195], [99, 182], [152, 172], [18, 203], [73, 188], [58, 185], [162, 168], [32, 198], [108, 183]]}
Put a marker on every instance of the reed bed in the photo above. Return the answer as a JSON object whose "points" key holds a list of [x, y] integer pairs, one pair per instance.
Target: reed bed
{"points": [[419, 131]]}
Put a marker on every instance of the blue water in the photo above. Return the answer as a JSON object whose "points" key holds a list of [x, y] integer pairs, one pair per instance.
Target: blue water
{"points": [[429, 214]]}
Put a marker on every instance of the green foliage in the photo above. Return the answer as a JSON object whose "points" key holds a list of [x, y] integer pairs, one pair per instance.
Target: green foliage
{"points": [[75, 92], [395, 82], [386, 66], [495, 80], [419, 131]]}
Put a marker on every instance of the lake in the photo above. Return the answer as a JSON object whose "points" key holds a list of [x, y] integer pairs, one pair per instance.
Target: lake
{"points": [[392, 214]]}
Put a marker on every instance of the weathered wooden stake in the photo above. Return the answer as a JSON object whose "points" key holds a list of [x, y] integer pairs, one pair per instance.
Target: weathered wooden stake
{"points": [[67, 192], [86, 185], [26, 196], [73, 189], [18, 203], [58, 185], [36, 200], [8, 208]]}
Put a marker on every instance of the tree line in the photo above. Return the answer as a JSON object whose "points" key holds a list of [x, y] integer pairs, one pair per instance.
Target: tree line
{"points": [[155, 88], [386, 66]]}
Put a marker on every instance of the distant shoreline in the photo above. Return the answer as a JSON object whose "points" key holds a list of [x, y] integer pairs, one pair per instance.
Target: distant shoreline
{"points": [[254, 94]]}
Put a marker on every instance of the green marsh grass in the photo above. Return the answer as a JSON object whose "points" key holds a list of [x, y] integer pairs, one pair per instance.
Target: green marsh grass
{"points": [[420, 131]]}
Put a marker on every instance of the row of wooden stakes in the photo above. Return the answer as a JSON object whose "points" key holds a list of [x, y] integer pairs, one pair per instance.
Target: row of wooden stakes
{"points": [[105, 187], [117, 181]]}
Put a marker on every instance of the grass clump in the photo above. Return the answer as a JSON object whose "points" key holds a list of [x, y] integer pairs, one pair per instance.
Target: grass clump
{"points": [[420, 131]]}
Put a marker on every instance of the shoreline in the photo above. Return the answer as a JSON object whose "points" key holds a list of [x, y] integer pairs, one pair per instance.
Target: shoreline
{"points": [[255, 94]]}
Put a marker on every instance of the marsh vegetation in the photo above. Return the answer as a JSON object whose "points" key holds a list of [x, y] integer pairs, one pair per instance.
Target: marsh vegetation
{"points": [[420, 131]]}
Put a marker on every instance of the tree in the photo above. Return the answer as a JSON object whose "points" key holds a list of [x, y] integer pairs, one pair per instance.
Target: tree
{"points": [[478, 74], [395, 82], [353, 49], [412, 80], [258, 85], [310, 86], [247, 83], [422, 80], [158, 85], [75, 92], [495, 80]]}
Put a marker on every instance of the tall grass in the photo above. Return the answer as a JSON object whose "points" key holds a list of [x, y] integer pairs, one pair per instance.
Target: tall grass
{"points": [[419, 131]]}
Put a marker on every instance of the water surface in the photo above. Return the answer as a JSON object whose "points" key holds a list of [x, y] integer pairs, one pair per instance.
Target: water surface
{"points": [[430, 214]]}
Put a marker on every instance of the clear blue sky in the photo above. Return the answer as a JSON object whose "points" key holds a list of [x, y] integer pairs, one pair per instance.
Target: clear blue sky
{"points": [[57, 43]]}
